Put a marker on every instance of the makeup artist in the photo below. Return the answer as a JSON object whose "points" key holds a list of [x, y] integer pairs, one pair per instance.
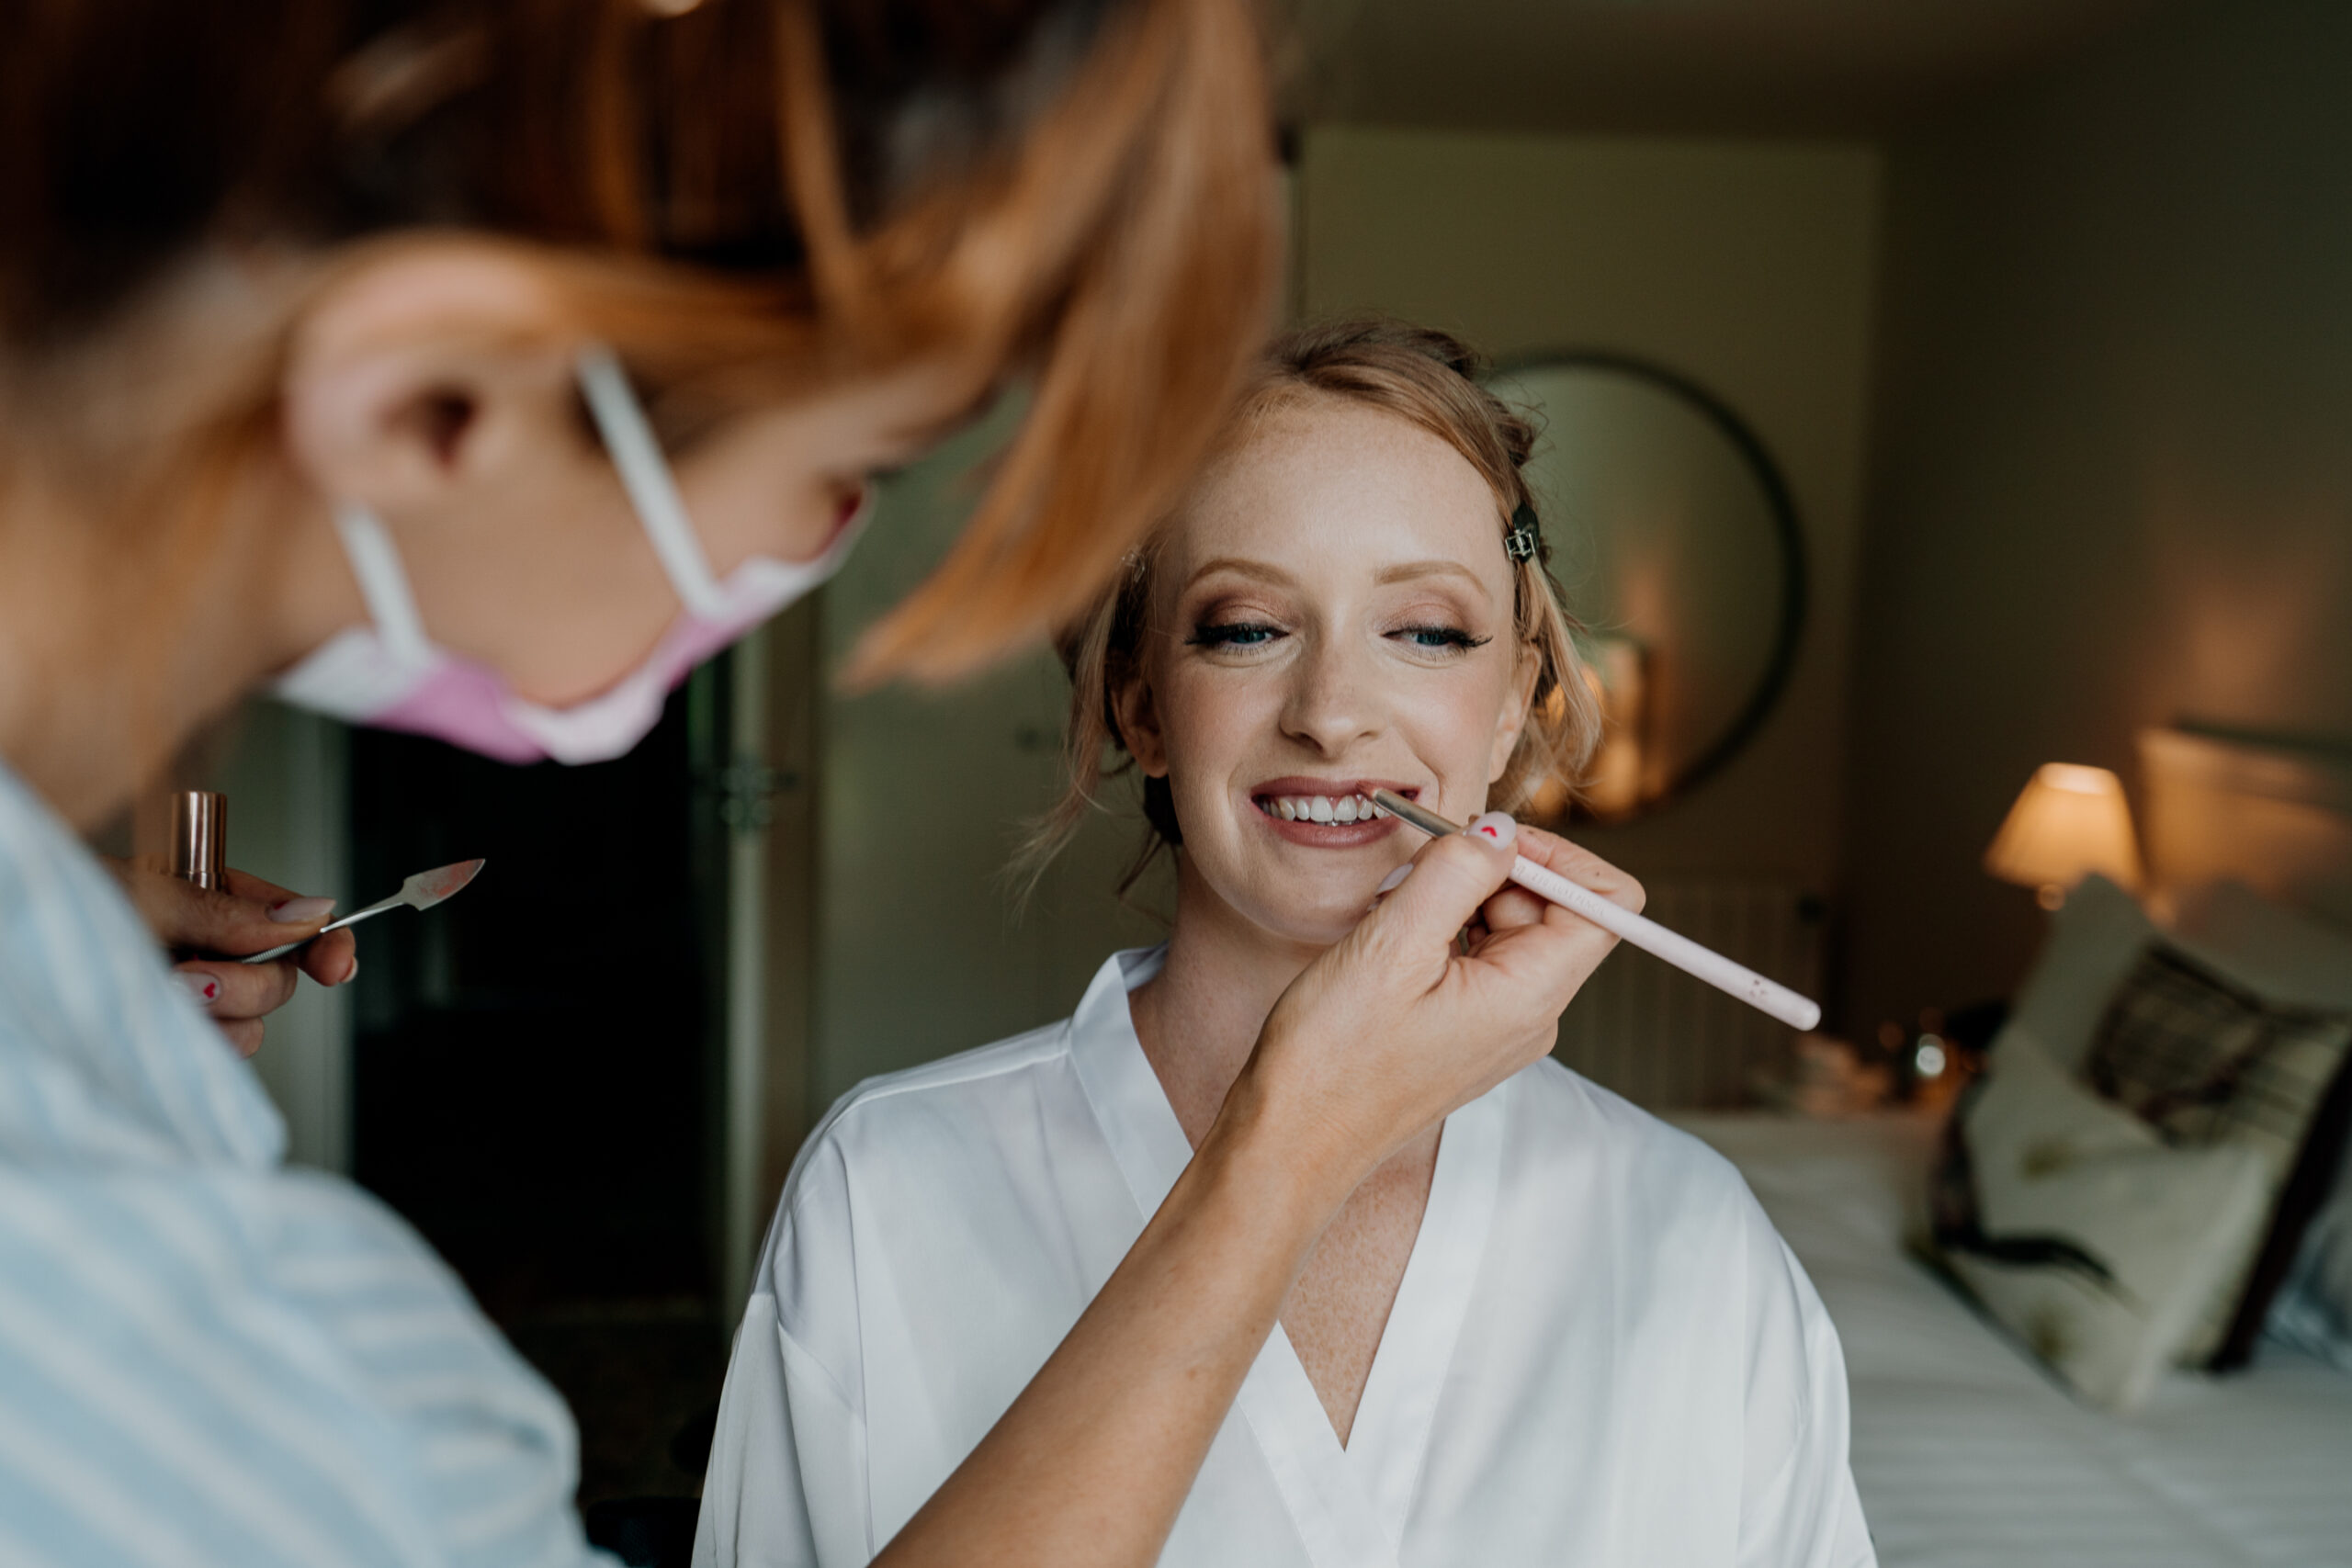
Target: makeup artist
{"points": [[473, 370]]}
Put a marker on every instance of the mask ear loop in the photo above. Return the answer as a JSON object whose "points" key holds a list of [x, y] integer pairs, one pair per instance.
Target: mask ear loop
{"points": [[645, 475], [383, 583]]}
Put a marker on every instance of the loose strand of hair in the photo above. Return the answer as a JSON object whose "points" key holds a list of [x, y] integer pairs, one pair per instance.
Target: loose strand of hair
{"points": [[1086, 474], [809, 150]]}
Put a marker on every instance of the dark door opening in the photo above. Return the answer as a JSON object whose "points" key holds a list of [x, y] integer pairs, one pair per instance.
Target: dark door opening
{"points": [[533, 1066]]}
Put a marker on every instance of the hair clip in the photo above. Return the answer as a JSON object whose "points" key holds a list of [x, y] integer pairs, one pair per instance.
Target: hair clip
{"points": [[1525, 538]]}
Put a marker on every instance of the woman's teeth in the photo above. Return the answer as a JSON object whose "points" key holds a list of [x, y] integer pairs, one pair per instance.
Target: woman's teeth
{"points": [[1321, 807]]}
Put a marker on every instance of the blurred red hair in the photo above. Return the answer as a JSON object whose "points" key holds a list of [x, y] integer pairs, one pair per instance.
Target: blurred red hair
{"points": [[749, 199]]}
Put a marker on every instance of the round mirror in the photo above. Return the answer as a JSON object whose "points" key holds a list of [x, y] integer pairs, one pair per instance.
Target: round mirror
{"points": [[1673, 533]]}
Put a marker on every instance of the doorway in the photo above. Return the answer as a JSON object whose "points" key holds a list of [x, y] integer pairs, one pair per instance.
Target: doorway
{"points": [[534, 1075]]}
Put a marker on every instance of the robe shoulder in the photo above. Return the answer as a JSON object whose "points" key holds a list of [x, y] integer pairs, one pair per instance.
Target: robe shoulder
{"points": [[1695, 1248], [1569, 1129], [1044, 1047], [969, 1087]]}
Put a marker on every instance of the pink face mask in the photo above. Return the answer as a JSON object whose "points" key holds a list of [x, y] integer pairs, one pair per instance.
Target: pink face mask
{"points": [[389, 674]]}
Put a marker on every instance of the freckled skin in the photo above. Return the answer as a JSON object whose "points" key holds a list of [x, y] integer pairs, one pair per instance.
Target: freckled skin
{"points": [[1333, 602]]}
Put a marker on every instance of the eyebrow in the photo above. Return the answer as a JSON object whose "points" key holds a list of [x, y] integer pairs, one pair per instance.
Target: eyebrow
{"points": [[1407, 571], [1242, 566], [1403, 572]]}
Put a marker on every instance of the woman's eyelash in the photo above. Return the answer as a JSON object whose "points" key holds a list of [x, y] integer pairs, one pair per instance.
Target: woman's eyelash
{"points": [[1442, 636], [1232, 634], [1257, 634]]}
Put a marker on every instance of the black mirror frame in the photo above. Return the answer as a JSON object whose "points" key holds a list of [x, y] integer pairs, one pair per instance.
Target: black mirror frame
{"points": [[1789, 534]]}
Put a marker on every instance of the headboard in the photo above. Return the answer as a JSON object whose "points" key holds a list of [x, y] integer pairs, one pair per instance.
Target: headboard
{"points": [[2276, 815]]}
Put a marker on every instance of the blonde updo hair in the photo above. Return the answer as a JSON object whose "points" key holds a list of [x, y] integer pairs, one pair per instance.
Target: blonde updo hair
{"points": [[1431, 380]]}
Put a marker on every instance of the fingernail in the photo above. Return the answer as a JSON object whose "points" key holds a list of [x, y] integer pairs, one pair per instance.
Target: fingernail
{"points": [[1390, 883], [1496, 826], [203, 988], [351, 972], [301, 911]]}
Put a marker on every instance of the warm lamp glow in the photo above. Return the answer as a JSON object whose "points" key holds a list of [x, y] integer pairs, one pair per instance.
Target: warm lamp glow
{"points": [[1614, 668], [2070, 821]]}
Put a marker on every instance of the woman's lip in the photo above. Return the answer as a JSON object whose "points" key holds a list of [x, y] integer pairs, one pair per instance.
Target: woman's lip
{"points": [[852, 508], [1328, 835], [1296, 785]]}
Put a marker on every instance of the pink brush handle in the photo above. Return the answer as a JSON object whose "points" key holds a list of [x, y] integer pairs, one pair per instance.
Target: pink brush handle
{"points": [[1675, 948]]}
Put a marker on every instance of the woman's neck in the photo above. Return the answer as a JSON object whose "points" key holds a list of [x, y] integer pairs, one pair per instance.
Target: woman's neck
{"points": [[121, 642], [1198, 1019], [157, 557]]}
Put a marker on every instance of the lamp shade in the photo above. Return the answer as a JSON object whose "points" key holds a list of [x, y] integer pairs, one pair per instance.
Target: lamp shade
{"points": [[2068, 822]]}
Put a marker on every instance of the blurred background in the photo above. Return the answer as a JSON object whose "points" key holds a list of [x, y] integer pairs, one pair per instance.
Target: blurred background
{"points": [[1933, 390]]}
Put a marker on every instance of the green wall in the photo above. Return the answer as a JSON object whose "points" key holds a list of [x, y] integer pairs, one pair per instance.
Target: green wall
{"points": [[2112, 470]]}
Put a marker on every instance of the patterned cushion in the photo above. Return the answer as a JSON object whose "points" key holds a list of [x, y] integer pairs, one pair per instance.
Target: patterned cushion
{"points": [[2207, 1062], [2080, 1229]]}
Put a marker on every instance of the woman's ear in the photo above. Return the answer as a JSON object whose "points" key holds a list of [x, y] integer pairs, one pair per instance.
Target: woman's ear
{"points": [[1517, 706], [429, 371], [1139, 725]]}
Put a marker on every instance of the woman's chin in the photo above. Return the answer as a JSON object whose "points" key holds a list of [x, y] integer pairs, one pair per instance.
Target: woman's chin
{"points": [[1288, 909], [1318, 926]]}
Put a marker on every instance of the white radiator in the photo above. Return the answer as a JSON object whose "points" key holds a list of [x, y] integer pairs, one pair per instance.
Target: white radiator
{"points": [[1666, 1041]]}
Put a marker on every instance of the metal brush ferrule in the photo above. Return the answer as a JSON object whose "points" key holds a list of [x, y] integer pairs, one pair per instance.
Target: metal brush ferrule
{"points": [[1421, 817]]}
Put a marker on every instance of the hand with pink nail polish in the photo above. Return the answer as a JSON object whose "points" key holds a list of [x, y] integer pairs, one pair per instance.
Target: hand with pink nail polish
{"points": [[206, 930]]}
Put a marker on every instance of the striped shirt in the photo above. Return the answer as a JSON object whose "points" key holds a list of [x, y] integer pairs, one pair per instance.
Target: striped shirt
{"points": [[207, 1359]]}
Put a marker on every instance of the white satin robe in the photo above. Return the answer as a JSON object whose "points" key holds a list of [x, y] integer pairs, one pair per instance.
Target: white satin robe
{"points": [[1601, 1353]]}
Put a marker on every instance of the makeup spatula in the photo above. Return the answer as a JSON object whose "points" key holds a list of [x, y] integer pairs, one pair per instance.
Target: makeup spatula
{"points": [[422, 891]]}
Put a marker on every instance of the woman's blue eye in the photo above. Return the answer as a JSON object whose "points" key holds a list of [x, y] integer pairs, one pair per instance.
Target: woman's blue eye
{"points": [[1440, 636], [1233, 634]]}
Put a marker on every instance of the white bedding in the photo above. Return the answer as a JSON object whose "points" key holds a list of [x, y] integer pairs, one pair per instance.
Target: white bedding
{"points": [[1968, 1456]]}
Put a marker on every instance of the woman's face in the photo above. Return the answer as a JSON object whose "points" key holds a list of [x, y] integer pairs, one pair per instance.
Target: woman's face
{"points": [[1331, 613], [435, 387], [563, 591]]}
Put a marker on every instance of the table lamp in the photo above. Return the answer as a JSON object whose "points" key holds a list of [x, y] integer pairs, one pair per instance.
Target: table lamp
{"points": [[2069, 821]]}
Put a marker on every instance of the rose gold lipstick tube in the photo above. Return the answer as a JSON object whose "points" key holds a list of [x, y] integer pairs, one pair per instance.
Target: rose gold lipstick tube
{"points": [[201, 837]]}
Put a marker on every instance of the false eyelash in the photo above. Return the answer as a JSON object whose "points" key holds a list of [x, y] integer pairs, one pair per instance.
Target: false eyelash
{"points": [[1449, 637], [1228, 635]]}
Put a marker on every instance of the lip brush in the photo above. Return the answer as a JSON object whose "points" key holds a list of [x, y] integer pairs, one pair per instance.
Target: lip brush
{"points": [[1740, 981]]}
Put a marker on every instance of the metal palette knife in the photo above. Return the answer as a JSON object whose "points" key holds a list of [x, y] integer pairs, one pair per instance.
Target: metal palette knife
{"points": [[422, 891]]}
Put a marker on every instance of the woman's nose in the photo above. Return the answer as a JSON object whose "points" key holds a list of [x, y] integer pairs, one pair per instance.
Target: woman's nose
{"points": [[1332, 700]]}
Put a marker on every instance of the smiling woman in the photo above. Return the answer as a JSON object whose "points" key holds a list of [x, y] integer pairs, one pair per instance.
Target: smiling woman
{"points": [[1348, 415], [1548, 1328]]}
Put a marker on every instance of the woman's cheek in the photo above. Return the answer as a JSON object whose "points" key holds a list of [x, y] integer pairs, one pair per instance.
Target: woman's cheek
{"points": [[1211, 720], [1457, 721], [1188, 740]]}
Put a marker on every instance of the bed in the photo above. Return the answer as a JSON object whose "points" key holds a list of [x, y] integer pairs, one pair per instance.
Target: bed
{"points": [[1969, 1456], [1966, 1450]]}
